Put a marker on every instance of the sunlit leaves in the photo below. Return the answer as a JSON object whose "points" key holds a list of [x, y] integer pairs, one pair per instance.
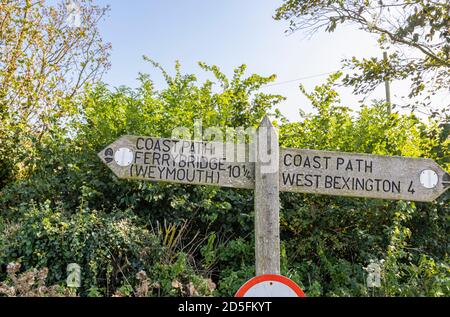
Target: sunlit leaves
{"points": [[417, 33]]}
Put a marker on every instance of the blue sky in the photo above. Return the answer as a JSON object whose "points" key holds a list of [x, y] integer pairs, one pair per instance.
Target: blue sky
{"points": [[228, 33]]}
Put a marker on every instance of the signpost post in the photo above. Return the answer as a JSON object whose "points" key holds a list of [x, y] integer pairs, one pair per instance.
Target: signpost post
{"points": [[267, 201], [272, 171]]}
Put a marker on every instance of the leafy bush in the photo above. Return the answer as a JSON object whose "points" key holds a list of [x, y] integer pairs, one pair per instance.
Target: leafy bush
{"points": [[110, 247], [154, 239]]}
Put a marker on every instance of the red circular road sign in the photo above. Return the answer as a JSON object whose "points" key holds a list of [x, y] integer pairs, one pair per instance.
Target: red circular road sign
{"points": [[270, 285]]}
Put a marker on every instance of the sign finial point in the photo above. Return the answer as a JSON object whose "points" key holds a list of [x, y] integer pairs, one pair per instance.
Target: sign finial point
{"points": [[265, 122]]}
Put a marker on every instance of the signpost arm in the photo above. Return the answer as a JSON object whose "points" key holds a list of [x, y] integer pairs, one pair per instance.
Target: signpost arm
{"points": [[267, 204]]}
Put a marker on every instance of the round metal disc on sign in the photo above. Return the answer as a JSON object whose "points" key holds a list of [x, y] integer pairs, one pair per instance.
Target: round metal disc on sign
{"points": [[429, 179], [270, 285], [123, 156]]}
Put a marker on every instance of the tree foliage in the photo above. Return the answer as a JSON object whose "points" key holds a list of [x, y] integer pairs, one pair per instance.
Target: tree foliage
{"points": [[44, 63], [416, 32]]}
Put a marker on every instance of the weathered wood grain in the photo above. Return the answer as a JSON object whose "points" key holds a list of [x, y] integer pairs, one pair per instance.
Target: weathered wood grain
{"points": [[170, 160], [358, 175], [267, 204]]}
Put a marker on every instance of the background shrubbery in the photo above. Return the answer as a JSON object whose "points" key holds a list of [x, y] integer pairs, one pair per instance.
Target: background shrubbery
{"points": [[177, 240]]}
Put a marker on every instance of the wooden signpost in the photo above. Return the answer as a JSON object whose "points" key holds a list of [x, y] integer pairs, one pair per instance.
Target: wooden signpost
{"points": [[267, 169], [267, 201], [361, 175], [178, 161]]}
